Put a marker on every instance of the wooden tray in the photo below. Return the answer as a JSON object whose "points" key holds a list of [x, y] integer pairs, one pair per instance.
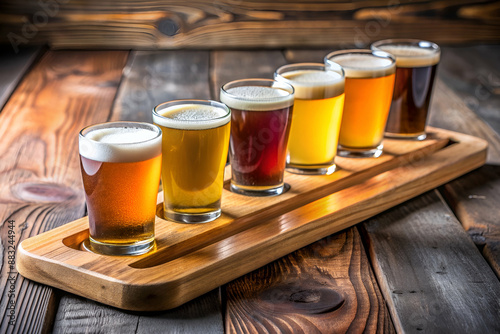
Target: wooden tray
{"points": [[190, 260]]}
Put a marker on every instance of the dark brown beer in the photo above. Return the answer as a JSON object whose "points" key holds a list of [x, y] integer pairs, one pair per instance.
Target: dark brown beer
{"points": [[261, 113], [416, 64]]}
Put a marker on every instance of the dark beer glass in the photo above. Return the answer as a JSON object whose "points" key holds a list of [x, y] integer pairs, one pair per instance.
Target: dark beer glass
{"points": [[416, 64], [261, 111]]}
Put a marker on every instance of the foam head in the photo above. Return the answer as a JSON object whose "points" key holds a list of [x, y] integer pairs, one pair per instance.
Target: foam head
{"points": [[364, 64], [314, 84], [119, 143], [256, 97], [191, 116], [412, 55]]}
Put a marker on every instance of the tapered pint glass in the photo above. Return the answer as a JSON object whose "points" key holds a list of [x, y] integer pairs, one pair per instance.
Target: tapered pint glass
{"points": [[120, 165], [195, 143], [369, 82], [261, 113]]}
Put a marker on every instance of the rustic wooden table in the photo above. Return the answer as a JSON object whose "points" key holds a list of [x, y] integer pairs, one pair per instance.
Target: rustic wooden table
{"points": [[431, 264]]}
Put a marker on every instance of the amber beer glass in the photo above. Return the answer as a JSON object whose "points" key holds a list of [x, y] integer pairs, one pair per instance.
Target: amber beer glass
{"points": [[317, 113], [416, 64], [368, 91], [261, 111], [120, 164], [195, 143]]}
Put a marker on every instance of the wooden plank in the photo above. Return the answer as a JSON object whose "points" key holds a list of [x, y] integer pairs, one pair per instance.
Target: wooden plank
{"points": [[39, 170], [327, 287], [473, 73], [191, 259], [13, 66], [473, 197], [431, 274], [149, 78], [223, 24]]}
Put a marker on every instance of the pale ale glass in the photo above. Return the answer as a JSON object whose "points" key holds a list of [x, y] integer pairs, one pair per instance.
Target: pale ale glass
{"points": [[416, 65], [369, 82], [261, 112], [121, 163], [195, 143], [317, 113]]}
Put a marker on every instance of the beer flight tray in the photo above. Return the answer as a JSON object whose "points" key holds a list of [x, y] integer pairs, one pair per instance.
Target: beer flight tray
{"points": [[192, 259]]}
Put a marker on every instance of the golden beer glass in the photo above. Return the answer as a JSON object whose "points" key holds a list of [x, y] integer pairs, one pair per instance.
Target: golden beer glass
{"points": [[121, 164], [318, 106], [195, 144], [369, 82], [416, 67]]}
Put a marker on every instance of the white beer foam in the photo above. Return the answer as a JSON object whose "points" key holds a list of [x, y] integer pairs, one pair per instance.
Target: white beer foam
{"points": [[256, 98], [315, 84], [364, 65], [192, 117], [411, 55], [120, 144]]}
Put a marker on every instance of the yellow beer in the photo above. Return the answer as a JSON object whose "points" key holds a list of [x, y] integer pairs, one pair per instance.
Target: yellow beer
{"points": [[369, 85], [319, 101], [120, 163], [195, 144]]}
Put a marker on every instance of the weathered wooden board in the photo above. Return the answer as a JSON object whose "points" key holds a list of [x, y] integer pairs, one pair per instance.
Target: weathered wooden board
{"points": [[327, 287], [150, 77], [192, 259], [473, 73], [39, 170], [12, 67], [431, 274], [244, 24]]}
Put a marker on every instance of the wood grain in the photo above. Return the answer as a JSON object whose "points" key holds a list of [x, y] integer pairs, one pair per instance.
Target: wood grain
{"points": [[473, 197], [39, 170], [431, 274], [190, 260], [149, 78], [473, 73], [327, 287], [228, 24], [13, 66]]}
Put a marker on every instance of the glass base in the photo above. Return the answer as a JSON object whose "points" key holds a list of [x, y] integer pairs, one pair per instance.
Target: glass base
{"points": [[192, 218], [137, 248], [310, 170], [259, 191], [412, 136], [349, 152]]}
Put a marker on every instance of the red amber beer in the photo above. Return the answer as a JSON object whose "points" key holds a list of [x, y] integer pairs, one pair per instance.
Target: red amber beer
{"points": [[195, 143], [120, 163], [416, 64], [317, 113], [261, 111], [369, 82]]}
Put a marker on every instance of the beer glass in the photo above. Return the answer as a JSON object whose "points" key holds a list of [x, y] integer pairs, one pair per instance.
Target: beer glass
{"points": [[120, 164], [194, 145], [416, 64], [317, 113], [369, 82], [261, 111]]}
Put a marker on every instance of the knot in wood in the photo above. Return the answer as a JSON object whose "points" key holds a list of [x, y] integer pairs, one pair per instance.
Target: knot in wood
{"points": [[42, 192], [168, 27]]}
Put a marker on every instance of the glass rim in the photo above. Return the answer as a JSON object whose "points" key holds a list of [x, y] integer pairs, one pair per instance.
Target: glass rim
{"points": [[273, 84], [428, 45], [297, 66], [171, 103], [374, 53], [118, 124]]}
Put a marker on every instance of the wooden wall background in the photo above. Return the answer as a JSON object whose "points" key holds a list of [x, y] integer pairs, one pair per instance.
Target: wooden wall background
{"points": [[204, 24]]}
